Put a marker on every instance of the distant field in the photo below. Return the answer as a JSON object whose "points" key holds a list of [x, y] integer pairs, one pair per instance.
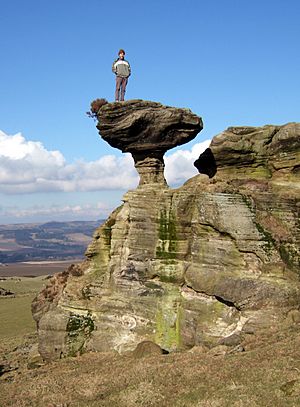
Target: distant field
{"points": [[49, 241], [34, 268], [9, 245]]}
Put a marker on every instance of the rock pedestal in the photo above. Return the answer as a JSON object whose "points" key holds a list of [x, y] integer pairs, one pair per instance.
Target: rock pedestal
{"points": [[150, 169], [147, 130]]}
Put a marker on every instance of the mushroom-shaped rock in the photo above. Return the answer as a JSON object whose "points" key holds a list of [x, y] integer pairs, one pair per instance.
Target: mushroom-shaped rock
{"points": [[147, 130]]}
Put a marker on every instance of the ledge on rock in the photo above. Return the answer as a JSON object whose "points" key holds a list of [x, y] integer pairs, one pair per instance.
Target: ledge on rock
{"points": [[256, 154], [147, 130]]}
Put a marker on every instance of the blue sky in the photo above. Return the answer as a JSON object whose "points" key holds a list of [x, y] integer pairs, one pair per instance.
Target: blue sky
{"points": [[231, 62]]}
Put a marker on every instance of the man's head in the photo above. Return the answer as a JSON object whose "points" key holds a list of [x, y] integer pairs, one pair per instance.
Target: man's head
{"points": [[121, 54]]}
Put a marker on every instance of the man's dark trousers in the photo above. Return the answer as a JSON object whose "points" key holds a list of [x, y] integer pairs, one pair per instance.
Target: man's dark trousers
{"points": [[120, 88]]}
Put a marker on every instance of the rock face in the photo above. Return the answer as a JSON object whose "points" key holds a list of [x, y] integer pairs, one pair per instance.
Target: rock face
{"points": [[147, 130], [263, 164], [195, 266]]}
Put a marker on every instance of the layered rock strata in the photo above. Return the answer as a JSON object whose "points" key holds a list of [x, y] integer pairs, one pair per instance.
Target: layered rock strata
{"points": [[203, 264], [263, 164]]}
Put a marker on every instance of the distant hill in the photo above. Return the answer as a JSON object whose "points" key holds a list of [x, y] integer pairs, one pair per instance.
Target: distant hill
{"points": [[45, 241]]}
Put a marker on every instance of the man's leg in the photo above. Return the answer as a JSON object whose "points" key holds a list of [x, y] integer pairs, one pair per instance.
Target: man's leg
{"points": [[118, 85], [123, 88]]}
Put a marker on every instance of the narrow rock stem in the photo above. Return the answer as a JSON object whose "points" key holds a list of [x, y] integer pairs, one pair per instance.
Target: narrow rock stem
{"points": [[150, 168]]}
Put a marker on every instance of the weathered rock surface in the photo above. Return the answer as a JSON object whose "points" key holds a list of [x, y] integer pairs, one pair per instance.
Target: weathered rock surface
{"points": [[216, 258], [263, 164], [147, 130]]}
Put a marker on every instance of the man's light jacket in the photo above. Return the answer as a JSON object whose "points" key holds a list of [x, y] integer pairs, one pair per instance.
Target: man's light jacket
{"points": [[121, 68]]}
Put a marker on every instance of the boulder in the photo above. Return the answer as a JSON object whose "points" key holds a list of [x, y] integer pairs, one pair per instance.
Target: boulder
{"points": [[147, 348]]}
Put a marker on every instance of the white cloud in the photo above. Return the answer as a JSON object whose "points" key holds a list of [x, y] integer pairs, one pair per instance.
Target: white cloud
{"points": [[28, 167], [180, 165], [16, 148]]}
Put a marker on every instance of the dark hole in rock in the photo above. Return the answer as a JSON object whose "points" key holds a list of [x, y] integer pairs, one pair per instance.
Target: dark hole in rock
{"points": [[206, 163], [226, 302]]}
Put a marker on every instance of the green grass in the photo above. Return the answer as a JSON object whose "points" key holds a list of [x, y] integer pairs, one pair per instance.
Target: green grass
{"points": [[15, 317], [15, 312]]}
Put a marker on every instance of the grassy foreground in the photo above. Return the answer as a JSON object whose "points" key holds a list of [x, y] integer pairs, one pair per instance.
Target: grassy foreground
{"points": [[266, 374]]}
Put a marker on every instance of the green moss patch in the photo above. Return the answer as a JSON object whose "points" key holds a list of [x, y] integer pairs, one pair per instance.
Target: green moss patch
{"points": [[167, 235], [168, 321], [79, 328]]}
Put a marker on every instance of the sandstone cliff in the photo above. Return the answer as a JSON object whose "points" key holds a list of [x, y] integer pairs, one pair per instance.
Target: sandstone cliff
{"points": [[207, 263]]}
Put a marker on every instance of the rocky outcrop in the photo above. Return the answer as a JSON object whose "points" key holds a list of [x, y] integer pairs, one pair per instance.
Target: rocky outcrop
{"points": [[213, 260], [147, 130], [254, 154]]}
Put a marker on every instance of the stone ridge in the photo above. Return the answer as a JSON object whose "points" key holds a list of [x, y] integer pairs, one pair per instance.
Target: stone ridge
{"points": [[215, 259]]}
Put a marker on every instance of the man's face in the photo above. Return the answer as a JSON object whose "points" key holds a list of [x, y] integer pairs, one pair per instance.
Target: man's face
{"points": [[121, 55]]}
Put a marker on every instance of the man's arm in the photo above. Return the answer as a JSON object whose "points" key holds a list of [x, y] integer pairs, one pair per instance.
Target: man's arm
{"points": [[114, 68], [129, 68]]}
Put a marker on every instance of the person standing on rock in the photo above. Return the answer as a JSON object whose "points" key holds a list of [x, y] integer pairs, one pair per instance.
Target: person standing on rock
{"points": [[122, 69]]}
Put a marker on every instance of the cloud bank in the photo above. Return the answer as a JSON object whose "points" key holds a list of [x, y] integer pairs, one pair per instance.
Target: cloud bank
{"points": [[28, 167]]}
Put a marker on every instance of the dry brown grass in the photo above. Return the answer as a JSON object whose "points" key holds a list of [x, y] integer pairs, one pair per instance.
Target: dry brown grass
{"points": [[266, 374], [97, 104]]}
